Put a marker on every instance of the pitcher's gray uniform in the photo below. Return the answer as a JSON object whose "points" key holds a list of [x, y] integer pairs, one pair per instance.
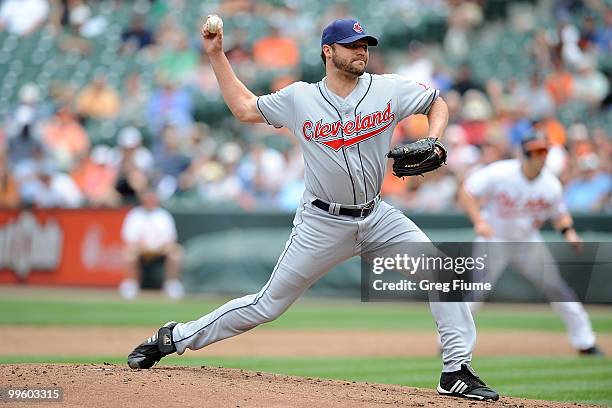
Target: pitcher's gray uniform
{"points": [[344, 142]]}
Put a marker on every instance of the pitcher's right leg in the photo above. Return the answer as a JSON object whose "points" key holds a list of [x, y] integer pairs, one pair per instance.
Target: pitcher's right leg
{"points": [[242, 314], [317, 243]]}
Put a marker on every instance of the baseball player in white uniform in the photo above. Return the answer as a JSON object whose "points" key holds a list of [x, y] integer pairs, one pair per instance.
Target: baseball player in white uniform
{"points": [[518, 197], [344, 124]]}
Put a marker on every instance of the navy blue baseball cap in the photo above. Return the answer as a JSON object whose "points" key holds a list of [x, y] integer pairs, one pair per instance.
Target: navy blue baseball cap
{"points": [[534, 140], [345, 31]]}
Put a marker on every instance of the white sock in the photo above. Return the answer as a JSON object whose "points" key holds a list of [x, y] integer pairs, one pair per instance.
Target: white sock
{"points": [[129, 288], [174, 289]]}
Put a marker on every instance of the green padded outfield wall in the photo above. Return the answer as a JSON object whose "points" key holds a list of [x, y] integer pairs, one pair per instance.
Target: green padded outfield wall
{"points": [[234, 253]]}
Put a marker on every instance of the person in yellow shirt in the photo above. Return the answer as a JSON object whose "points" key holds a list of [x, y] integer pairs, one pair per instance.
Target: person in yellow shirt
{"points": [[98, 100]]}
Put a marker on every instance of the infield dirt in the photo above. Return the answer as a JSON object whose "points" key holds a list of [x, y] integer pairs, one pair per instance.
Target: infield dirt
{"points": [[109, 385]]}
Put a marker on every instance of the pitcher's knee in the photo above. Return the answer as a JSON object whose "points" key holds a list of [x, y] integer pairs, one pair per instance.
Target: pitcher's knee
{"points": [[269, 315], [262, 309]]}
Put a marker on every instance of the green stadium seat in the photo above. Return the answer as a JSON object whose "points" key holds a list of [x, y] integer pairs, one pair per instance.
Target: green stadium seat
{"points": [[495, 51]]}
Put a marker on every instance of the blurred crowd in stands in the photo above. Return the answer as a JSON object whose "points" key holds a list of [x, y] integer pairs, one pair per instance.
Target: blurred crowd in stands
{"points": [[99, 143]]}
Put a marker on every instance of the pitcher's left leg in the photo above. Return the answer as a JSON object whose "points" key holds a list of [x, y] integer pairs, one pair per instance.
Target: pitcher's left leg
{"points": [[388, 226], [383, 230]]}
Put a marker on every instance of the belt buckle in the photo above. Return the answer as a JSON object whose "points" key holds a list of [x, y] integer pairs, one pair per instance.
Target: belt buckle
{"points": [[368, 208]]}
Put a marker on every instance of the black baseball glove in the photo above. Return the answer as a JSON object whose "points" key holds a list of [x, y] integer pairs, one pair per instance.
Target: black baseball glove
{"points": [[418, 157]]}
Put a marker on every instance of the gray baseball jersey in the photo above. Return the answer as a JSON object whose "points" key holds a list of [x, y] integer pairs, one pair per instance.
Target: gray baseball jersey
{"points": [[344, 142]]}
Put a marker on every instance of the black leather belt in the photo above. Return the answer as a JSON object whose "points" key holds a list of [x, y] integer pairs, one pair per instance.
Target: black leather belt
{"points": [[351, 212]]}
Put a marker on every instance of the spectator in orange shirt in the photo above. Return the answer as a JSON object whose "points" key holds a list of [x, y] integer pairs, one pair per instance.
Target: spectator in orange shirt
{"points": [[9, 190], [557, 158], [65, 138], [276, 51], [98, 100], [560, 83], [554, 130], [96, 175], [393, 186]]}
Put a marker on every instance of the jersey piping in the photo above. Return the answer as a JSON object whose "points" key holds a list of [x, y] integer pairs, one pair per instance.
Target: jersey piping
{"points": [[264, 116], [348, 168], [365, 184]]}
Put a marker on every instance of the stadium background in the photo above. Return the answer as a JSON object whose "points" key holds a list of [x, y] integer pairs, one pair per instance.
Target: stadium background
{"points": [[100, 95]]}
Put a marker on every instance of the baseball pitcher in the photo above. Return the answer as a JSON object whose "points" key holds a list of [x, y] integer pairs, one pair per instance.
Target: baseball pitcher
{"points": [[344, 124]]}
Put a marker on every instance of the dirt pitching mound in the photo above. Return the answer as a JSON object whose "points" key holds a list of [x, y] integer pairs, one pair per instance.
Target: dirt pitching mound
{"points": [[109, 385]]}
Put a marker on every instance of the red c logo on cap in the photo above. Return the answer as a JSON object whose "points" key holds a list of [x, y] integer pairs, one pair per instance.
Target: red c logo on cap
{"points": [[357, 28]]}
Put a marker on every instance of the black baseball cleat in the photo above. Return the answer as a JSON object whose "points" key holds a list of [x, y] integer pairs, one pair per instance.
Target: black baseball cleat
{"points": [[149, 352], [592, 351], [465, 383]]}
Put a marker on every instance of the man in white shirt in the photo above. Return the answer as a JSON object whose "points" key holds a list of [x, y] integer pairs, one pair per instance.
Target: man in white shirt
{"points": [[517, 197], [22, 17], [149, 233]]}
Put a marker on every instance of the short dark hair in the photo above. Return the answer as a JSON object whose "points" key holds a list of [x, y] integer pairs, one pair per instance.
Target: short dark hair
{"points": [[323, 55]]}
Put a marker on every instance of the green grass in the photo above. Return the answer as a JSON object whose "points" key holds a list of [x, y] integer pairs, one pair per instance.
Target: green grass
{"points": [[563, 379], [586, 380], [309, 314]]}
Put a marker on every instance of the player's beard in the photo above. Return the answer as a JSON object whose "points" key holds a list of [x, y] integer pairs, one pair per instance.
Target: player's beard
{"points": [[348, 67]]}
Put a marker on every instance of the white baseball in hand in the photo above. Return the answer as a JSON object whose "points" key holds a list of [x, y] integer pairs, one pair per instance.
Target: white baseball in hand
{"points": [[214, 23]]}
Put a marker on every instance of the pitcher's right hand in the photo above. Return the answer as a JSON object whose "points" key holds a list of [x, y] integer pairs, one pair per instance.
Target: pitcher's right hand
{"points": [[212, 42]]}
